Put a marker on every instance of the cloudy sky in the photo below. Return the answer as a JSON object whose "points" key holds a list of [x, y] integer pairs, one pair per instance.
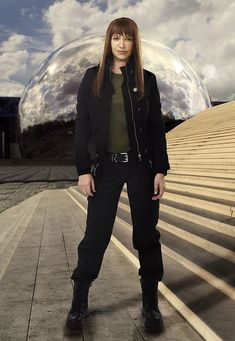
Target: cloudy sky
{"points": [[201, 31]]}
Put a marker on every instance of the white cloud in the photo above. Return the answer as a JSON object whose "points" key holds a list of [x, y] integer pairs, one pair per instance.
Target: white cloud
{"points": [[11, 88], [69, 19], [14, 43], [30, 12], [13, 58], [10, 66], [23, 11], [20, 56]]}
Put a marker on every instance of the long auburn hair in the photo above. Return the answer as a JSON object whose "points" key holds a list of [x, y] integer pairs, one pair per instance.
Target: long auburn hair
{"points": [[122, 26]]}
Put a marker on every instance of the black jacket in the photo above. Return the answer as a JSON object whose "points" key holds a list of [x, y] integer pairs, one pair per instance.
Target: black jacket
{"points": [[144, 119]]}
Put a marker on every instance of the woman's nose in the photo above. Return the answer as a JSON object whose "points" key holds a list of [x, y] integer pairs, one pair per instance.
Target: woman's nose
{"points": [[121, 42]]}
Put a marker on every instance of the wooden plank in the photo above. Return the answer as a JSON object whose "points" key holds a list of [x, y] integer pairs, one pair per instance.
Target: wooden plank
{"points": [[53, 286], [17, 283]]}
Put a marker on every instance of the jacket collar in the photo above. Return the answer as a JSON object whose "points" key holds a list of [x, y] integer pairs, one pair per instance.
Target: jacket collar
{"points": [[130, 66]]}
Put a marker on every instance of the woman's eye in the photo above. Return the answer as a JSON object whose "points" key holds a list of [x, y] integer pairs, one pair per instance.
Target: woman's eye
{"points": [[128, 38]]}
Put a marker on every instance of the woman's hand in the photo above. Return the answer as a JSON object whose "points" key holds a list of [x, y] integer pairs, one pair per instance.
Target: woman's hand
{"points": [[159, 186], [86, 184]]}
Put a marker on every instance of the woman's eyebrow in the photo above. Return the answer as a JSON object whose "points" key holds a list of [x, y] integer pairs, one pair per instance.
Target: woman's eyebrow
{"points": [[118, 34]]}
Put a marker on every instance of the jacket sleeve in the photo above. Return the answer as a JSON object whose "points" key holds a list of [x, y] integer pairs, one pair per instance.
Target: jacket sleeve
{"points": [[160, 161], [82, 128]]}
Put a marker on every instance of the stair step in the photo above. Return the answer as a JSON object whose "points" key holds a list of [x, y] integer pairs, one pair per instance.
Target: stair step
{"points": [[11, 240], [215, 174], [198, 135], [190, 141], [226, 184], [201, 191]]}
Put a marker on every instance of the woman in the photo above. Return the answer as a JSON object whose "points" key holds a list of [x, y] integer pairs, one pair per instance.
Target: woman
{"points": [[120, 138]]}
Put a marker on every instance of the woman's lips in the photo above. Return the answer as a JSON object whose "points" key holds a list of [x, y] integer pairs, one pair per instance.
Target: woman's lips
{"points": [[121, 51]]}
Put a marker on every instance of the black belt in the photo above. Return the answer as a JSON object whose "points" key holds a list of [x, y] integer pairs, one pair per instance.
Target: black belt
{"points": [[119, 157]]}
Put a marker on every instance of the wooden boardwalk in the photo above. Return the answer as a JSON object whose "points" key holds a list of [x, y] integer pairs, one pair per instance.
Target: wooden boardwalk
{"points": [[38, 250]]}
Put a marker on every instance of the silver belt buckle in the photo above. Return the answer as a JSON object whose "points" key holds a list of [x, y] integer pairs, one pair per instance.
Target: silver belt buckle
{"points": [[114, 157]]}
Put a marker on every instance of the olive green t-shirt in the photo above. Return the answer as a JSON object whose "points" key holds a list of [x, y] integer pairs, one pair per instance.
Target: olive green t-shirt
{"points": [[118, 138]]}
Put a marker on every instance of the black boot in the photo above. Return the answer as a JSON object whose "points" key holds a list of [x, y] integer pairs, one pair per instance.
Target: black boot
{"points": [[153, 321], [79, 307]]}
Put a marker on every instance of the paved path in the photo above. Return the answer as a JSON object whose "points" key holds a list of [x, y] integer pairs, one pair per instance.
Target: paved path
{"points": [[37, 170]]}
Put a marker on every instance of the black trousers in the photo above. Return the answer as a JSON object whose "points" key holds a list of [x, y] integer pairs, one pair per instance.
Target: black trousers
{"points": [[101, 212]]}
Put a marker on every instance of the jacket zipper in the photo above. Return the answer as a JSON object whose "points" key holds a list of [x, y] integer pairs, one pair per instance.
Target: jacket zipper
{"points": [[132, 115]]}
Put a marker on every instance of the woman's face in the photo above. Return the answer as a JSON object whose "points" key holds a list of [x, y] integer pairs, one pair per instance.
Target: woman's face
{"points": [[121, 47]]}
